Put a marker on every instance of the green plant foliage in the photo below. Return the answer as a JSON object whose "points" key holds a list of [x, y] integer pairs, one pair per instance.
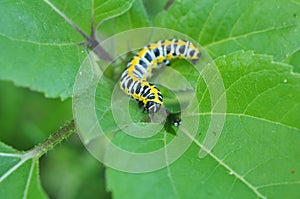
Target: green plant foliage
{"points": [[104, 9], [19, 174], [255, 45], [42, 50], [136, 17], [29, 116], [80, 175], [267, 27], [256, 155], [294, 60]]}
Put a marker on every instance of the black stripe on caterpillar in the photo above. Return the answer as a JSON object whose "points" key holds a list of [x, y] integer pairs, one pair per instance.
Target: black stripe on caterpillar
{"points": [[139, 69]]}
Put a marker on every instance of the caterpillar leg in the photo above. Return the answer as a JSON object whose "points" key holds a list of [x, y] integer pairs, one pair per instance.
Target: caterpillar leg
{"points": [[164, 116], [152, 107], [140, 103], [160, 116], [167, 62]]}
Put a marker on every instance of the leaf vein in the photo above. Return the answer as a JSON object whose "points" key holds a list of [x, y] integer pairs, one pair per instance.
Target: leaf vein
{"points": [[28, 181], [220, 23], [249, 116], [241, 178], [169, 174], [12, 169], [11, 155], [206, 21], [278, 184], [259, 95], [40, 43], [250, 34]]}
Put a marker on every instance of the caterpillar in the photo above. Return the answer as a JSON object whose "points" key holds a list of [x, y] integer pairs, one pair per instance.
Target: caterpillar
{"points": [[139, 69]]}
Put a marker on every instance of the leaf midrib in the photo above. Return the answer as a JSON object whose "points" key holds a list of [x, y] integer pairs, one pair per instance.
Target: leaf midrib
{"points": [[249, 34], [40, 43]]}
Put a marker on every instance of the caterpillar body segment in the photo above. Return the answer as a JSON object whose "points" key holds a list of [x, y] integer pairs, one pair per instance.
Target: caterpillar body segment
{"points": [[139, 69]]}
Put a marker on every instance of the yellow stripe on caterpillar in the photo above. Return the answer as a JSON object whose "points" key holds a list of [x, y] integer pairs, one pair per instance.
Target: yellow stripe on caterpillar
{"points": [[134, 78]]}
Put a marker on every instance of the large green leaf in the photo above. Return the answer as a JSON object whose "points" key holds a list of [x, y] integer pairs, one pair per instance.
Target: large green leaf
{"points": [[266, 27], [257, 154], [40, 49], [261, 128], [19, 174], [36, 39]]}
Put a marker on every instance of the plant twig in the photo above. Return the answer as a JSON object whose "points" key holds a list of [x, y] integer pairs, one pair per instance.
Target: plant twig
{"points": [[54, 139], [168, 4], [91, 41]]}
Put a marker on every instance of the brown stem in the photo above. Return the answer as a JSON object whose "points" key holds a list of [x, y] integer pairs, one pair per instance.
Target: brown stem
{"points": [[169, 4]]}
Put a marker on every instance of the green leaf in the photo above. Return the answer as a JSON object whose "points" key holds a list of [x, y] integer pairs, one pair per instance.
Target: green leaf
{"points": [[255, 82], [257, 154], [41, 49], [135, 17], [267, 27], [154, 7], [19, 174], [105, 9], [294, 60]]}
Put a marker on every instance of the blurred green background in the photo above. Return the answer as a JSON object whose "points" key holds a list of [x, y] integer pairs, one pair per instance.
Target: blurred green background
{"points": [[28, 118]]}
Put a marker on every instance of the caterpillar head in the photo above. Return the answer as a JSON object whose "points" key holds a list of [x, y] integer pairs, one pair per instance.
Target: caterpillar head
{"points": [[152, 107]]}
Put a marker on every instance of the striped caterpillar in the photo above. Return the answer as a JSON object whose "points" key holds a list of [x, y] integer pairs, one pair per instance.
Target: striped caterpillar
{"points": [[139, 68]]}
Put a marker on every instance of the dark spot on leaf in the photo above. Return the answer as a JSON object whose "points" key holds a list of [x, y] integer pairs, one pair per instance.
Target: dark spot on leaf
{"points": [[292, 171]]}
